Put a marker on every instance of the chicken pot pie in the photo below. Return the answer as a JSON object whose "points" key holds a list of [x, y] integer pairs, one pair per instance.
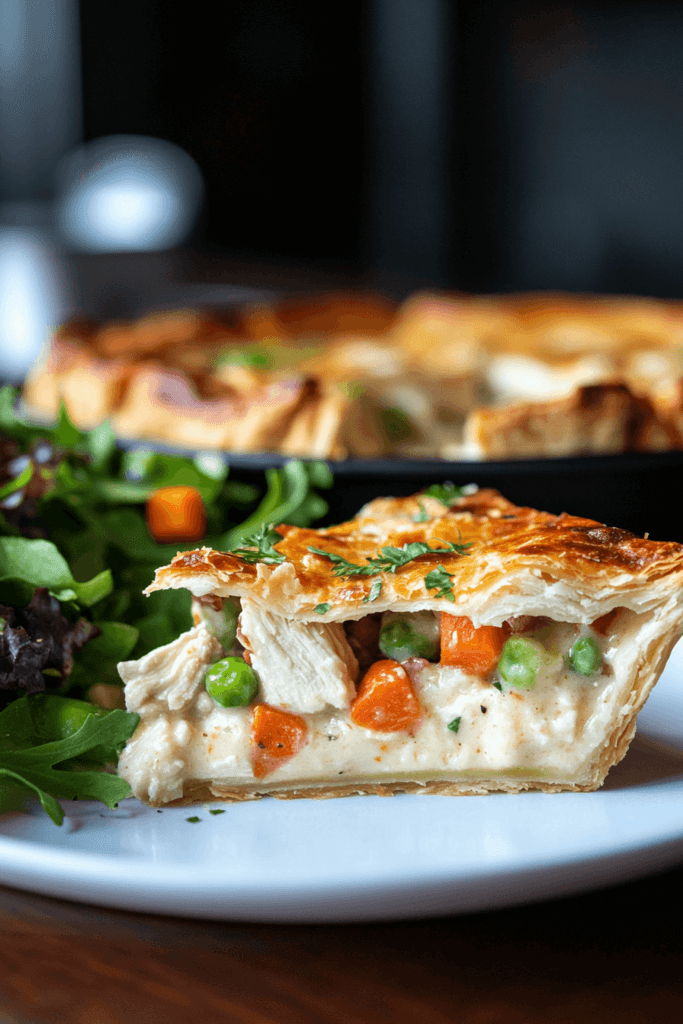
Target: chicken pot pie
{"points": [[351, 374], [448, 642]]}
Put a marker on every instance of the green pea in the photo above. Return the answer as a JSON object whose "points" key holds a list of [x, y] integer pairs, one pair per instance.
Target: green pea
{"points": [[400, 640], [232, 683], [585, 656], [520, 661]]}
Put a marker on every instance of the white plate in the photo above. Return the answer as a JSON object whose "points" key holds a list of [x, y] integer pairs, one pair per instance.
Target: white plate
{"points": [[368, 858]]}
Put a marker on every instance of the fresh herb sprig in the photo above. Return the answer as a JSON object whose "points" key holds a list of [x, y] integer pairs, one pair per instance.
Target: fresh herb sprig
{"points": [[390, 559], [259, 547]]}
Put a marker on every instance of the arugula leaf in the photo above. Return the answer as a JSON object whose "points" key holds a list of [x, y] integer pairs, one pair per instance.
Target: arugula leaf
{"points": [[262, 540], [30, 763], [287, 500], [390, 558], [440, 580]]}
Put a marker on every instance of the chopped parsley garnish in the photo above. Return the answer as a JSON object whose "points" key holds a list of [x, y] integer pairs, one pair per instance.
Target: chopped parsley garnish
{"points": [[440, 580], [498, 686], [217, 810], [455, 724], [256, 357], [422, 516], [390, 559], [194, 819], [321, 609], [374, 592], [447, 493], [260, 547]]}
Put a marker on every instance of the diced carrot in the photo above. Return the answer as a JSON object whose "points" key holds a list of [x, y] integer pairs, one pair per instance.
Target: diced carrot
{"points": [[276, 735], [386, 699], [176, 514], [473, 650]]}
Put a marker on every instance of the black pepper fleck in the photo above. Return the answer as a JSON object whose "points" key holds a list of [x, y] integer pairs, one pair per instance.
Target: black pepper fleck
{"points": [[483, 709]]}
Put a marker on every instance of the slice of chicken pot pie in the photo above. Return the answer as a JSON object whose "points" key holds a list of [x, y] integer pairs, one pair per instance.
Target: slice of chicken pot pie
{"points": [[447, 642]]}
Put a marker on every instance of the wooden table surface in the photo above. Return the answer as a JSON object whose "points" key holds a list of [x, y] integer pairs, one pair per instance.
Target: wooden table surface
{"points": [[607, 956]]}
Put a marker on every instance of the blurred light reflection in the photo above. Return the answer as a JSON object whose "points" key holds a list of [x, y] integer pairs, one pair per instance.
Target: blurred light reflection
{"points": [[31, 298], [128, 193]]}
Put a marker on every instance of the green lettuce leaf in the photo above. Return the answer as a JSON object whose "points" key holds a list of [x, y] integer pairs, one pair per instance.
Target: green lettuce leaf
{"points": [[26, 564], [28, 762]]}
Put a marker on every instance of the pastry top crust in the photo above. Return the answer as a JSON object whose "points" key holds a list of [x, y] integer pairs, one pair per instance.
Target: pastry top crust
{"points": [[520, 561]]}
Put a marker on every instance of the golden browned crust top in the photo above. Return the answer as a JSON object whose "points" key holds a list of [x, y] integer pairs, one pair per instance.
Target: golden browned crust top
{"points": [[519, 561]]}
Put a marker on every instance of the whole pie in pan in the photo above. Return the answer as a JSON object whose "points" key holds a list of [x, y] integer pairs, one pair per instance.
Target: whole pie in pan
{"points": [[354, 375], [449, 643]]}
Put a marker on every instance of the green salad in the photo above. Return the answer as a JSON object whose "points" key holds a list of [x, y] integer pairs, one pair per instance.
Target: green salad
{"points": [[78, 544]]}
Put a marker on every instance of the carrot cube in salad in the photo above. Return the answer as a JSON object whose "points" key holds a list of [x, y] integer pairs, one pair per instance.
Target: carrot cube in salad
{"points": [[473, 650], [175, 515], [386, 699]]}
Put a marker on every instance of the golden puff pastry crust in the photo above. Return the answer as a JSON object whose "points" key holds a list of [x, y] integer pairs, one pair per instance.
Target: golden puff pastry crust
{"points": [[471, 377], [595, 419], [518, 561]]}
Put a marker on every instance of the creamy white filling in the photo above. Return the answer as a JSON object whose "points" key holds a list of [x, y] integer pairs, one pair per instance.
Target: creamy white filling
{"points": [[550, 732]]}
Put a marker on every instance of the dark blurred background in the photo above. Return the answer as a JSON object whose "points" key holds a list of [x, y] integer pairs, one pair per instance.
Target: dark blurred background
{"points": [[392, 143], [488, 146]]}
